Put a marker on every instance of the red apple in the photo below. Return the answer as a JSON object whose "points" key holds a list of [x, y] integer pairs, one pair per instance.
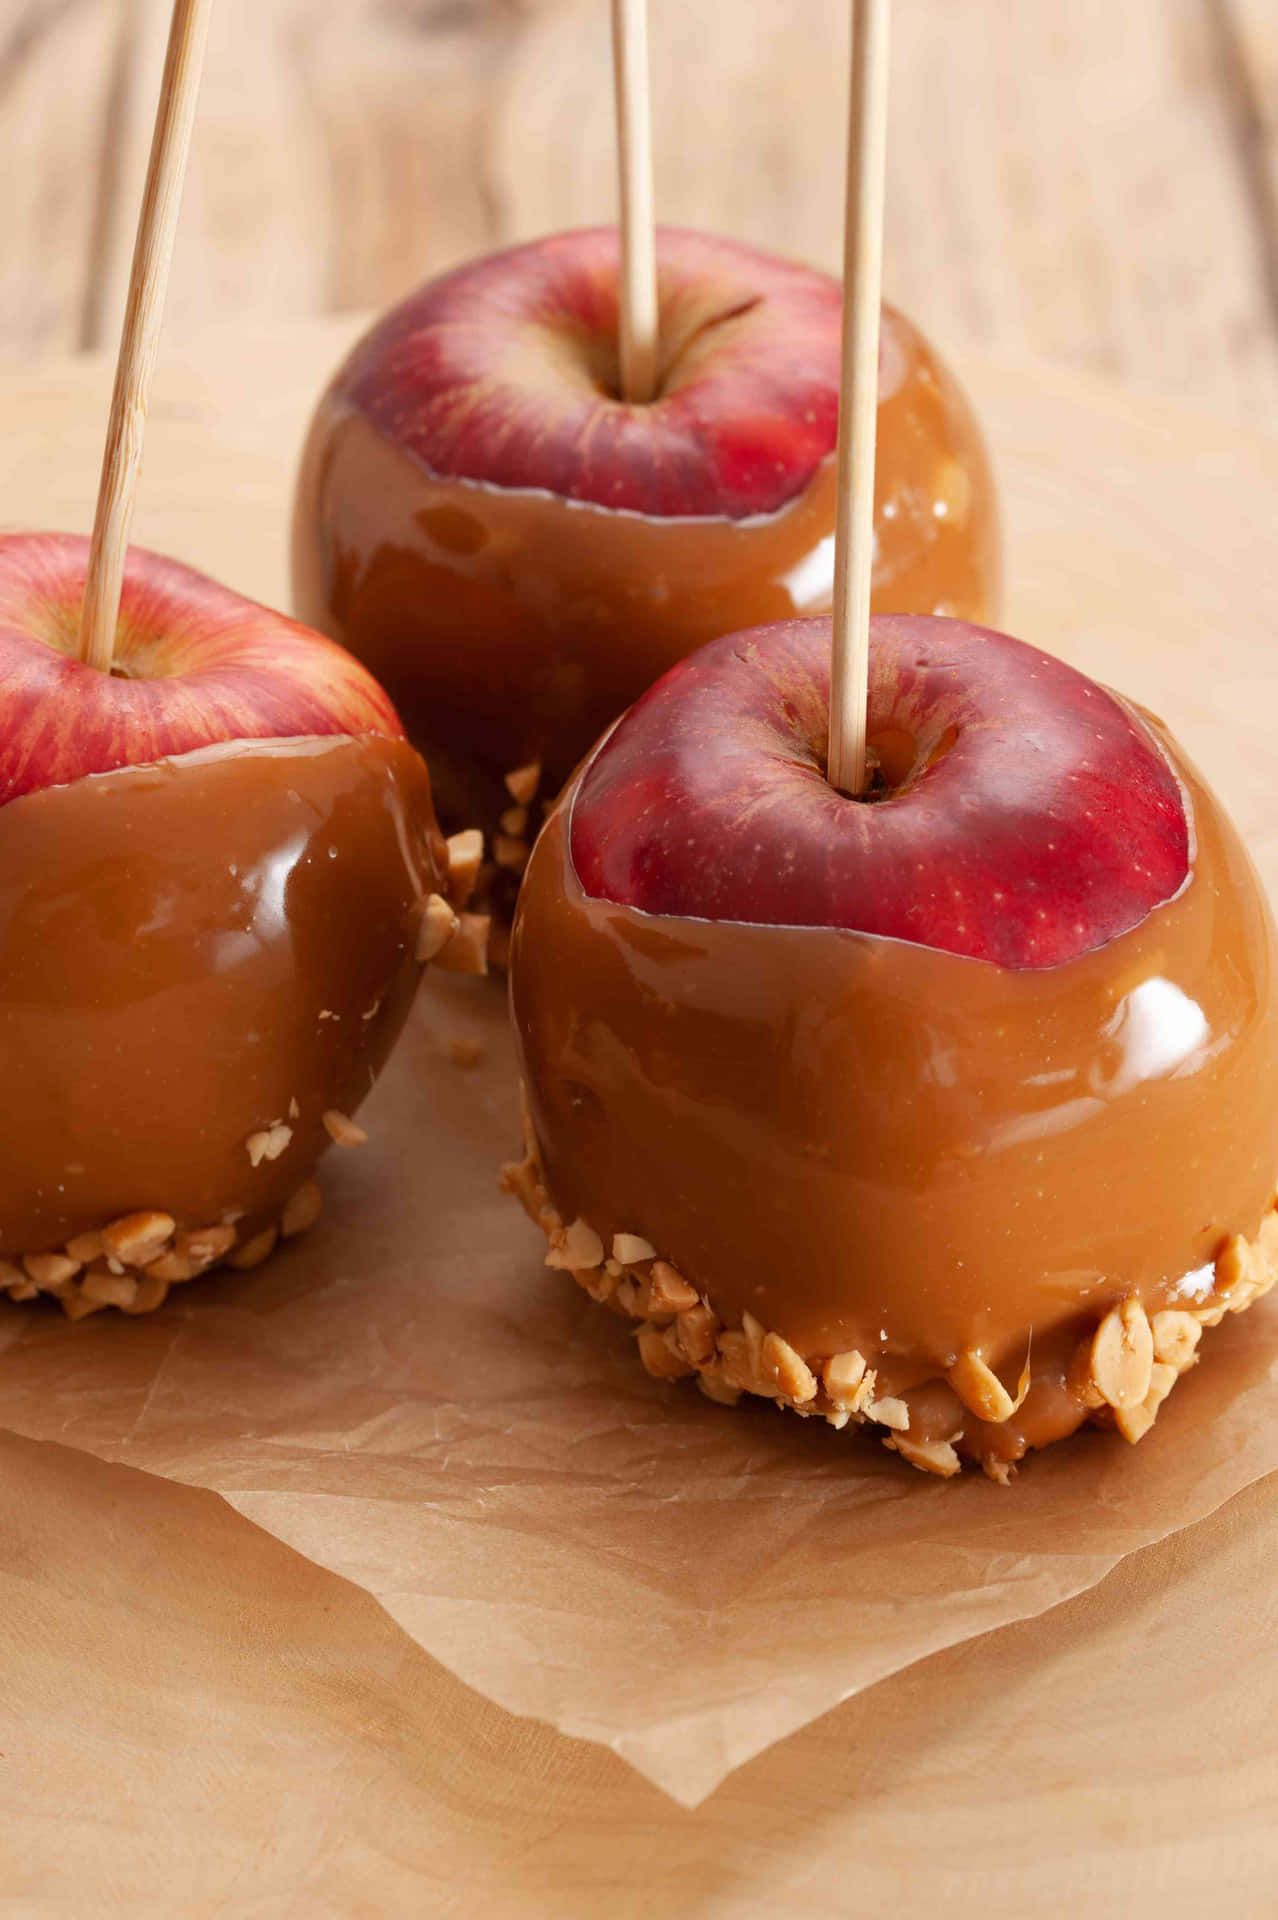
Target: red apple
{"points": [[194, 664], [505, 372], [950, 1107], [518, 553], [1026, 815], [220, 873]]}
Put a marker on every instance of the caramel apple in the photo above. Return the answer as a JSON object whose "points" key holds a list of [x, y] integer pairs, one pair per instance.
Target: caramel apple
{"points": [[220, 875], [517, 552], [949, 1109]]}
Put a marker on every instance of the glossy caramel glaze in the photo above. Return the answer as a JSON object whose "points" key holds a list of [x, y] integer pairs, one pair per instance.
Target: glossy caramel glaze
{"points": [[512, 625], [190, 951], [868, 1144]]}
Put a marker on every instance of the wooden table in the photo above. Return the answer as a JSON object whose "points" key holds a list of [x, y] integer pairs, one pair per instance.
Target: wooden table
{"points": [[1095, 184], [195, 1721]]}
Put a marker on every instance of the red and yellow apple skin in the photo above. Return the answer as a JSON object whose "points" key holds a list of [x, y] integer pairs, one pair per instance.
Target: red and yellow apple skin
{"points": [[213, 868], [518, 553], [195, 664], [938, 1077], [505, 372]]}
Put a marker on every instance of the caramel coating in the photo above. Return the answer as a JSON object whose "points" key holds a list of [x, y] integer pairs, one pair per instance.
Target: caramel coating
{"points": [[870, 1147], [511, 626], [200, 960], [1115, 1371]]}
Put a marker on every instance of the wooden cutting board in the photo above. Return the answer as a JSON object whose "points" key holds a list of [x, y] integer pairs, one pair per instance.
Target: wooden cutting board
{"points": [[194, 1720]]}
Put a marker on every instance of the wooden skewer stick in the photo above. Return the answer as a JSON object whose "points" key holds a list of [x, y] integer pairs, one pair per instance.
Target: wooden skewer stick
{"points": [[140, 336], [638, 240], [858, 394]]}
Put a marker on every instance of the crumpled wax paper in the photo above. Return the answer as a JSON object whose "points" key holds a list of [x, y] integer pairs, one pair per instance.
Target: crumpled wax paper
{"points": [[410, 1398]]}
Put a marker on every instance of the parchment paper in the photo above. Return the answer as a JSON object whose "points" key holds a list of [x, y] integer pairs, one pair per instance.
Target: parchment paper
{"points": [[411, 1399], [196, 1721]]}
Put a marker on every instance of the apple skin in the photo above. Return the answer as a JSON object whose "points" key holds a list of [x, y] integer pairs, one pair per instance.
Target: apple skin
{"points": [[505, 372], [1030, 817], [195, 664], [518, 554]]}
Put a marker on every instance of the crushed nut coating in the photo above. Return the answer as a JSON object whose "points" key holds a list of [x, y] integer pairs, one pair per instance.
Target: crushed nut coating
{"points": [[131, 1263], [1120, 1374]]}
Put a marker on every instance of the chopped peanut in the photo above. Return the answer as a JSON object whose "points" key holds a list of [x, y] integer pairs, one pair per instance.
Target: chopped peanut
{"points": [[981, 1390], [1134, 1422], [108, 1289], [1176, 1335], [436, 927], [50, 1270], [715, 1385], [467, 950], [77, 1306], [662, 1360], [1122, 1355], [842, 1376], [137, 1238], [522, 782], [665, 1291], [465, 854], [170, 1269], [631, 1248], [509, 853], [696, 1331], [201, 1246], [151, 1293], [521, 1178], [301, 1209], [342, 1130], [575, 1246], [737, 1365], [792, 1377], [269, 1143], [254, 1251], [930, 1456]]}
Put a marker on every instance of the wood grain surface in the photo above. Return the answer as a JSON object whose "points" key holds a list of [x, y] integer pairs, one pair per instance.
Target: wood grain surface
{"points": [[1093, 184]]}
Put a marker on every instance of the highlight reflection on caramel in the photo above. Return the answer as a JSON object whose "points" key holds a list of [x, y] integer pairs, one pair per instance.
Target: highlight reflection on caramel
{"points": [[189, 951], [512, 626], [870, 1144]]}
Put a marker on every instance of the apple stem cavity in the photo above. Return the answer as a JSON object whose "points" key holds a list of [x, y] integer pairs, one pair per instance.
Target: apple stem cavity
{"points": [[140, 335], [637, 304], [858, 395]]}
